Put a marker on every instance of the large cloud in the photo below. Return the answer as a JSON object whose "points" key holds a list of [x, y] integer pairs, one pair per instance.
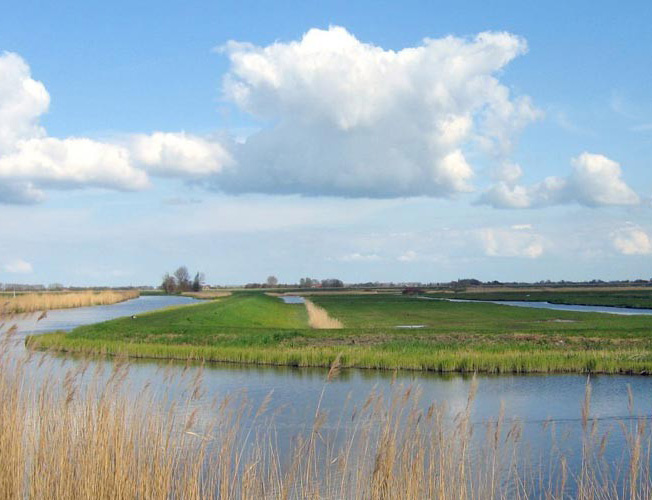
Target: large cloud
{"points": [[594, 181], [350, 118]]}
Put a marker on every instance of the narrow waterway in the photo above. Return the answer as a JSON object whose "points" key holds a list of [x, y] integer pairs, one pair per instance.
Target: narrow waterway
{"points": [[554, 307]]}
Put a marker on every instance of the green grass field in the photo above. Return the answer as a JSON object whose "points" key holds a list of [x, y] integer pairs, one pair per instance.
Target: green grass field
{"points": [[255, 328], [641, 299]]}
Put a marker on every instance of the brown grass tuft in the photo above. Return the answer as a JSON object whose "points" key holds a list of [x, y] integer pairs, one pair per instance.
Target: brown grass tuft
{"points": [[319, 319]]}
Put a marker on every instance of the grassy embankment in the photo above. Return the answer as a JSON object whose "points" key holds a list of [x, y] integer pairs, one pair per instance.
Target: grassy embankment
{"points": [[638, 299], [31, 302], [464, 337]]}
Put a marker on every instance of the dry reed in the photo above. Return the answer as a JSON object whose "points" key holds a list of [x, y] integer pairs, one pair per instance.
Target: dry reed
{"points": [[319, 318], [31, 302]]}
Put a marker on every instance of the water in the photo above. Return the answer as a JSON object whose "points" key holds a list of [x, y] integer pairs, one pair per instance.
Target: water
{"points": [[555, 307], [67, 319], [534, 400], [292, 299]]}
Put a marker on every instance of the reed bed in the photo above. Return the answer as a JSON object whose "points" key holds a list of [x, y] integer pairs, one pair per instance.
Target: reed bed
{"points": [[32, 302], [319, 318]]}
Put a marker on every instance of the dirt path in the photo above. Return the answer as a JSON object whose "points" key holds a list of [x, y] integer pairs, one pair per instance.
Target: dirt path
{"points": [[318, 318]]}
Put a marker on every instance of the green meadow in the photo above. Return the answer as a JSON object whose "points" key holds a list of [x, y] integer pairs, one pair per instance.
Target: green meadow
{"points": [[464, 337]]}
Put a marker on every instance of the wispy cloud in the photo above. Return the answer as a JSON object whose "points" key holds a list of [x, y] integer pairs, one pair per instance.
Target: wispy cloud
{"points": [[360, 257], [18, 266]]}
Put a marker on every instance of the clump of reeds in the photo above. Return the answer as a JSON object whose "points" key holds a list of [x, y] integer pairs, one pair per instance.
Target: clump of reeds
{"points": [[319, 318], [31, 302]]}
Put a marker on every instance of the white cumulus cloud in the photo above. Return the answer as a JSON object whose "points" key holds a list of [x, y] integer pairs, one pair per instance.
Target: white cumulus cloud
{"points": [[632, 241], [73, 162], [350, 118], [594, 181], [22, 101], [179, 154]]}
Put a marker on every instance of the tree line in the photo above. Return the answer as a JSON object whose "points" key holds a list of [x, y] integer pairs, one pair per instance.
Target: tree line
{"points": [[272, 282], [179, 281]]}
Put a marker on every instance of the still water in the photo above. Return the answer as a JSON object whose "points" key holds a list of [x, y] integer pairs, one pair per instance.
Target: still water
{"points": [[533, 400], [628, 311], [564, 307]]}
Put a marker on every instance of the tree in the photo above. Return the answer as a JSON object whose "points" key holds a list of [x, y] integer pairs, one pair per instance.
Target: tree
{"points": [[272, 281], [183, 279], [332, 283], [198, 282], [307, 282], [169, 284]]}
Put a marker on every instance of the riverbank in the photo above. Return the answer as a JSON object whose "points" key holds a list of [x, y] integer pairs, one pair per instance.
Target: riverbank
{"points": [[451, 337]]}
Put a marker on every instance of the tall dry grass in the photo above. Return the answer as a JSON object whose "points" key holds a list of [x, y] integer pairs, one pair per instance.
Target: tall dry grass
{"points": [[319, 318], [81, 436], [31, 302]]}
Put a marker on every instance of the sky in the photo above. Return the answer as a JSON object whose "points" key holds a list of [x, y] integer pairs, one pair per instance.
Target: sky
{"points": [[366, 141]]}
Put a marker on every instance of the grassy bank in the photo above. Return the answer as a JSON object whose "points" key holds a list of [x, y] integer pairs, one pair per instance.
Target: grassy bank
{"points": [[31, 302], [639, 298], [463, 337]]}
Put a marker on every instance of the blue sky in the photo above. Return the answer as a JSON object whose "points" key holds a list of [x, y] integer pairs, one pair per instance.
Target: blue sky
{"points": [[377, 141]]}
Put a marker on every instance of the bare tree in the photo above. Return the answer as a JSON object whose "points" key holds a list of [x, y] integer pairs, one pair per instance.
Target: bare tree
{"points": [[272, 281], [183, 279], [169, 283]]}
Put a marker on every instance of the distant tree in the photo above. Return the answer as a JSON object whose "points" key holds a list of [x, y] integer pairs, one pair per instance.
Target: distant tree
{"points": [[169, 284], [332, 283], [55, 286], [182, 277], [198, 282], [272, 281], [307, 282]]}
